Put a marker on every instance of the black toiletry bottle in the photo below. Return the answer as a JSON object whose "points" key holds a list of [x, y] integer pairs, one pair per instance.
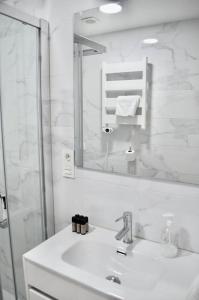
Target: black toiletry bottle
{"points": [[78, 218], [83, 222], [74, 224]]}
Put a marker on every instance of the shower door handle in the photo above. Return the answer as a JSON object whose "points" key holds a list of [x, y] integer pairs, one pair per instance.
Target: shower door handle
{"points": [[3, 214], [3, 198]]}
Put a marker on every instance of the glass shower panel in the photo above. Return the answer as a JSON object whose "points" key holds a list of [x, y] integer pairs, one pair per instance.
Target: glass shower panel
{"points": [[7, 291], [19, 71]]}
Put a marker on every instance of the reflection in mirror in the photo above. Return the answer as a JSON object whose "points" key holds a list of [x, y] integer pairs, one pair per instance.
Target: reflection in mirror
{"points": [[137, 94]]}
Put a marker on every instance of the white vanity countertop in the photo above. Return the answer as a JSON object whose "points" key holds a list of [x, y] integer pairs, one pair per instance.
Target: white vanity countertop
{"points": [[168, 279]]}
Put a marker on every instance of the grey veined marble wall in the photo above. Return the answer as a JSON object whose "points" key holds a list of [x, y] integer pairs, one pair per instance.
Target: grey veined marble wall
{"points": [[169, 147]]}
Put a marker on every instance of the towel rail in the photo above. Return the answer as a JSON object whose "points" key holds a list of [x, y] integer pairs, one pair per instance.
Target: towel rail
{"points": [[126, 87]]}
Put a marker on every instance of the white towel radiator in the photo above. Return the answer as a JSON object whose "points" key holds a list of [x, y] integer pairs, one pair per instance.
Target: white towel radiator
{"points": [[118, 79]]}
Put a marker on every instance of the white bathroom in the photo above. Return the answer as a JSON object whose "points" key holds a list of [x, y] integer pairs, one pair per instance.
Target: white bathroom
{"points": [[99, 150]]}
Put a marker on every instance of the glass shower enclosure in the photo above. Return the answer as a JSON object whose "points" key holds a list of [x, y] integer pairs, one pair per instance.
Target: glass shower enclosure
{"points": [[24, 211]]}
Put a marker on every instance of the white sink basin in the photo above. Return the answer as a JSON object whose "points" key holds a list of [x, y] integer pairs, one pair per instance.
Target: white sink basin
{"points": [[87, 260], [134, 270]]}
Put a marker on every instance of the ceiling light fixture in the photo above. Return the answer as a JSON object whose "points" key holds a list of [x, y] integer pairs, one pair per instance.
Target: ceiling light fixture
{"points": [[111, 8], [89, 20], [151, 41]]}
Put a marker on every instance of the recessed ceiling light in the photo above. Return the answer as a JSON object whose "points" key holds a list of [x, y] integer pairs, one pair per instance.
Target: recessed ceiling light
{"points": [[89, 20], [111, 8], [150, 41]]}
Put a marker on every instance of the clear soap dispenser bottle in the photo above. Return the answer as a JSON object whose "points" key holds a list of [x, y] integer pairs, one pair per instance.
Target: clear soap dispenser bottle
{"points": [[169, 248]]}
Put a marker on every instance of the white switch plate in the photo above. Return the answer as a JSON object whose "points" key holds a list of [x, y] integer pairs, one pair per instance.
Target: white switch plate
{"points": [[68, 163]]}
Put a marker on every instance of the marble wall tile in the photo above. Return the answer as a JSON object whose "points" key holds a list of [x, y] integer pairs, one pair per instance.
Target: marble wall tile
{"points": [[103, 196], [106, 200]]}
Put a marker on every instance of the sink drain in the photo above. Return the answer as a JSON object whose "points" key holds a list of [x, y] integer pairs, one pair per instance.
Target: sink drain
{"points": [[113, 279]]}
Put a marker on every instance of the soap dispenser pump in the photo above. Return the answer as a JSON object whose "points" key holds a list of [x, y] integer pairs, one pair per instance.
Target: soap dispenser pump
{"points": [[169, 247]]}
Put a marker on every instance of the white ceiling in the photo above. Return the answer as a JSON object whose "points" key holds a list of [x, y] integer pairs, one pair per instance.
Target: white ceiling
{"points": [[137, 13]]}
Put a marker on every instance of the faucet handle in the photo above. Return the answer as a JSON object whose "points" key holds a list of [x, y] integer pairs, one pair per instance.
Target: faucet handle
{"points": [[120, 218], [125, 214]]}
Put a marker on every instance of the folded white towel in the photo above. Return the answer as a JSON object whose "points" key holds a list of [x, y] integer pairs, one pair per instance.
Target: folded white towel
{"points": [[127, 105]]}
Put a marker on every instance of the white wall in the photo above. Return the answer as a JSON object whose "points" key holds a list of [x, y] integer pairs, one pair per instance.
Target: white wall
{"points": [[104, 197]]}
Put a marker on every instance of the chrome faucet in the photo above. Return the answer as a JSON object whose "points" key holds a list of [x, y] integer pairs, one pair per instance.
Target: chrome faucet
{"points": [[126, 232]]}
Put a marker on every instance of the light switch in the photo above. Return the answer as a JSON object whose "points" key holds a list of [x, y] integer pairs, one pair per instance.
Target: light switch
{"points": [[68, 163]]}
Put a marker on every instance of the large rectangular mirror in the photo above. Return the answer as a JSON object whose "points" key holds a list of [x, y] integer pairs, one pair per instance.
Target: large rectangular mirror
{"points": [[137, 93]]}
